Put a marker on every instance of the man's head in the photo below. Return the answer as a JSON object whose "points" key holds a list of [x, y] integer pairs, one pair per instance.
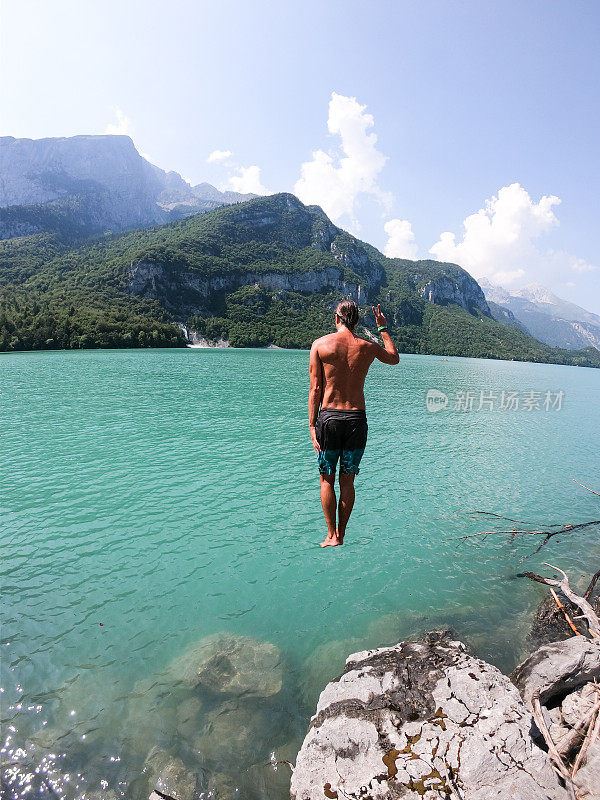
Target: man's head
{"points": [[346, 313]]}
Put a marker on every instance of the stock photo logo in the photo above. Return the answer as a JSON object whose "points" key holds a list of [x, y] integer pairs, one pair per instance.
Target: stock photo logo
{"points": [[479, 400], [436, 400]]}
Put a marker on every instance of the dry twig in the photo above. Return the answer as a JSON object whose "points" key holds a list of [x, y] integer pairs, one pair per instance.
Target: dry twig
{"points": [[590, 738], [566, 743], [524, 529], [552, 751], [586, 609], [564, 611], [587, 487]]}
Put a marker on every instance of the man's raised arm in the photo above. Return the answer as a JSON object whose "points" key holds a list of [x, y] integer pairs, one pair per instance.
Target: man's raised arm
{"points": [[388, 353], [315, 393]]}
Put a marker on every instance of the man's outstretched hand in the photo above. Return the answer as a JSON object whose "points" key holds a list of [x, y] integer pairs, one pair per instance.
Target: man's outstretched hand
{"points": [[379, 317]]}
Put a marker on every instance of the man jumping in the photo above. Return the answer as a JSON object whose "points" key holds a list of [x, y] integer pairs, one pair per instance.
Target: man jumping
{"points": [[339, 363]]}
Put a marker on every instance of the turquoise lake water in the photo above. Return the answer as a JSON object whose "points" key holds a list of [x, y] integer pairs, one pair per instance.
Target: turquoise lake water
{"points": [[153, 498]]}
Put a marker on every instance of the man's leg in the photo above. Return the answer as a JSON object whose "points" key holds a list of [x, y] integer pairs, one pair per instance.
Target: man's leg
{"points": [[346, 503], [328, 501]]}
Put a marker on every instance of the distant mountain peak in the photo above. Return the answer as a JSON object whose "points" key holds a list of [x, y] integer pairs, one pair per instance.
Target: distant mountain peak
{"points": [[546, 316], [537, 293], [93, 183]]}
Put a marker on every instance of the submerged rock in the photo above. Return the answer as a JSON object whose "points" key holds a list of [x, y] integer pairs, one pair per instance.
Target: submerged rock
{"points": [[169, 775], [422, 720], [230, 664], [233, 733]]}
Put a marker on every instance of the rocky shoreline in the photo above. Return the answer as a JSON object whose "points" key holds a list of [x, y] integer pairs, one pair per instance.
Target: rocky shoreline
{"points": [[427, 719], [424, 718]]}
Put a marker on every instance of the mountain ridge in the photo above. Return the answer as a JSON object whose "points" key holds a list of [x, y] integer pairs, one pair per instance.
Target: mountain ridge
{"points": [[265, 271], [91, 184], [551, 319]]}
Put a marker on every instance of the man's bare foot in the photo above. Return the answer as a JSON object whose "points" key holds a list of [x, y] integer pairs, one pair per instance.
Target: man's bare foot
{"points": [[340, 536], [331, 541]]}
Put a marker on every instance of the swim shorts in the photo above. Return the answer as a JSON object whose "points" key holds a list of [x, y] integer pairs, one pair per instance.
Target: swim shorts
{"points": [[341, 435]]}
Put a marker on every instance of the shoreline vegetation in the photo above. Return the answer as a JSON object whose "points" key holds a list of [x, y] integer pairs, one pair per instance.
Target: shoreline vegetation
{"points": [[265, 272]]}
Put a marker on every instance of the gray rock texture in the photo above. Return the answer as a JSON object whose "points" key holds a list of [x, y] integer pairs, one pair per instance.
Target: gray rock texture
{"points": [[128, 191], [186, 292], [460, 289], [422, 720], [558, 668]]}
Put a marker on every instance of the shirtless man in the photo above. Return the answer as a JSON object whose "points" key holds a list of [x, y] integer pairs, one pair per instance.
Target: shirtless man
{"points": [[339, 363]]}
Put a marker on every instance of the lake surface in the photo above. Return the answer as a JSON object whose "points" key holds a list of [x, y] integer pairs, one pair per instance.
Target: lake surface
{"points": [[152, 498]]}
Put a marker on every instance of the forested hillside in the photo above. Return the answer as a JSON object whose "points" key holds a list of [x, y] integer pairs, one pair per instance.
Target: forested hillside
{"points": [[267, 271]]}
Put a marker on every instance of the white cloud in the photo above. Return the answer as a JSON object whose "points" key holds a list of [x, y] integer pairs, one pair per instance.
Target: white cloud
{"points": [[576, 264], [401, 242], [219, 155], [122, 126], [498, 239], [334, 180], [247, 181]]}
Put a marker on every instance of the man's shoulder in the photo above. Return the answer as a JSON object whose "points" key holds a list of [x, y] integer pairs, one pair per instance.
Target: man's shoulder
{"points": [[323, 340]]}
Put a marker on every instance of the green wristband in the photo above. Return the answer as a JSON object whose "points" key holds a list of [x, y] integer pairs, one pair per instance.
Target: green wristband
{"points": [[382, 328]]}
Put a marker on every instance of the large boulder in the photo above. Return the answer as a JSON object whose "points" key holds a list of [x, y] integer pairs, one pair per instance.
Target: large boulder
{"points": [[228, 664], [422, 719], [558, 668], [168, 775]]}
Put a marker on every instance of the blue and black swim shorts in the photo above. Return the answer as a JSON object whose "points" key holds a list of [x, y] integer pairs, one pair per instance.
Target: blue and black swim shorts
{"points": [[341, 435]]}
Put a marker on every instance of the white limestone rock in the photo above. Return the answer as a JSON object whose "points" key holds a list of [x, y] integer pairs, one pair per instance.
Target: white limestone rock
{"points": [[557, 668], [421, 720]]}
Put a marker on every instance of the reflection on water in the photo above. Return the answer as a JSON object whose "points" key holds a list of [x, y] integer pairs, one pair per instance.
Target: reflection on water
{"points": [[169, 619]]}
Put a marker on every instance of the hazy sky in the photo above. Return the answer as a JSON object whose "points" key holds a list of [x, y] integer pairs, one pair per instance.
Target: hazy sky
{"points": [[465, 131]]}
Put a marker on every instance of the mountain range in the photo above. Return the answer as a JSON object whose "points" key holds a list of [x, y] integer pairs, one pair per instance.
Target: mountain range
{"points": [[84, 185], [536, 310], [88, 260]]}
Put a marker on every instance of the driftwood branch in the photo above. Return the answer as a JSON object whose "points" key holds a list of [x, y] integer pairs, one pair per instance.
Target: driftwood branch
{"points": [[587, 487], [590, 737], [570, 622], [590, 588], [547, 534], [552, 751], [567, 742], [581, 602], [522, 528]]}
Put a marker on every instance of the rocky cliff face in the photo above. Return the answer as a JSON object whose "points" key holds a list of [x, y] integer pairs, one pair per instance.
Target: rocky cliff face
{"points": [[185, 293], [128, 191], [41, 170], [422, 720], [286, 221], [557, 322], [459, 288]]}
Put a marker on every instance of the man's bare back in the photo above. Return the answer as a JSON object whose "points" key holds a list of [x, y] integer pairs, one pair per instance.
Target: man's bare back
{"points": [[339, 363], [345, 360]]}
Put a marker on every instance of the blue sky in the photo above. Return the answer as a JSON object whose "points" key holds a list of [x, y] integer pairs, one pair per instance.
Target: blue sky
{"points": [[484, 112]]}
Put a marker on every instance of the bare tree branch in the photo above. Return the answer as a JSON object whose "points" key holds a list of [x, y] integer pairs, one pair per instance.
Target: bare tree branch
{"points": [[545, 531], [581, 602], [587, 487], [590, 588], [564, 611], [552, 751]]}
